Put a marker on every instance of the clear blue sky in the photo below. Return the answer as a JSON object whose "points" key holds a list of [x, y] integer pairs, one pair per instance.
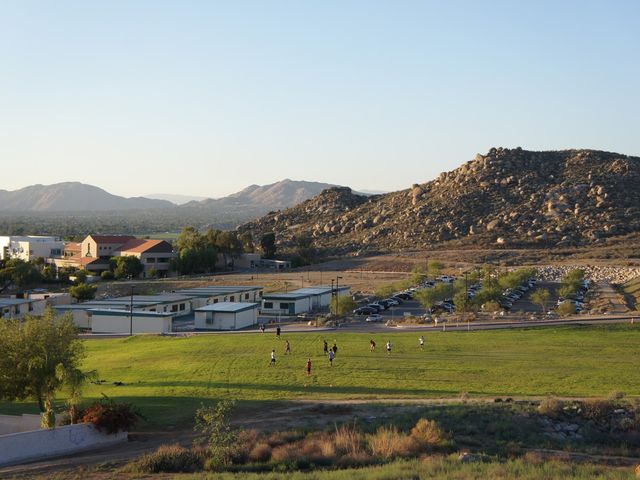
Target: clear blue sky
{"points": [[207, 97]]}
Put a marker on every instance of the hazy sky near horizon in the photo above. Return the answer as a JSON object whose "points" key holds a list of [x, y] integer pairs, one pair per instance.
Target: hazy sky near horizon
{"points": [[207, 97]]}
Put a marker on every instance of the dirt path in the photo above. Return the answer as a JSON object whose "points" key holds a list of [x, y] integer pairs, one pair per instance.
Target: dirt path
{"points": [[607, 297]]}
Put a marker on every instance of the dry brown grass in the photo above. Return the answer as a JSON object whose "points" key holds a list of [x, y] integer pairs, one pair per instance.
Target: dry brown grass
{"points": [[389, 442], [261, 452], [428, 433], [348, 440], [551, 407]]}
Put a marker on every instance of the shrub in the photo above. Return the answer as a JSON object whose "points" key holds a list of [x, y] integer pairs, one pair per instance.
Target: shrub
{"points": [[111, 417], [551, 407], [347, 440], [389, 442], [280, 438], [261, 452], [597, 409], [107, 275], [567, 308], [168, 459], [616, 396], [428, 433], [241, 450], [356, 459]]}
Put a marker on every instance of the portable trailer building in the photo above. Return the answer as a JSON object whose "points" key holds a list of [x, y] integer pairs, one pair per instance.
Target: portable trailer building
{"points": [[123, 321], [226, 316], [286, 303]]}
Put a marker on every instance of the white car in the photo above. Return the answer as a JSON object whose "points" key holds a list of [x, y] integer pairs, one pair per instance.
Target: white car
{"points": [[374, 317]]}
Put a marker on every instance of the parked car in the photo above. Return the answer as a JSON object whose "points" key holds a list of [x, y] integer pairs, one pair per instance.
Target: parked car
{"points": [[364, 311], [376, 306], [374, 317], [392, 301]]}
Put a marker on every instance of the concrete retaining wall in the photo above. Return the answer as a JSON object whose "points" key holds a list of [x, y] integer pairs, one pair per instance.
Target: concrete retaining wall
{"points": [[39, 444]]}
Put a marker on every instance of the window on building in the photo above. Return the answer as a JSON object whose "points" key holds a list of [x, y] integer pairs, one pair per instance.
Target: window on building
{"points": [[151, 260], [182, 306], [174, 308], [260, 294], [268, 304], [284, 306], [215, 300], [209, 318], [246, 296], [232, 298], [30, 307]]}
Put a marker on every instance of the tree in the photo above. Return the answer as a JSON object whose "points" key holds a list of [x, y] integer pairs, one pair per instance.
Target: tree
{"points": [[385, 290], [461, 301], [81, 276], [74, 380], [83, 291], [216, 432], [127, 266], [541, 297], [20, 273], [430, 296], [434, 267], [305, 252], [33, 351], [343, 304], [418, 275], [247, 242], [268, 245]]}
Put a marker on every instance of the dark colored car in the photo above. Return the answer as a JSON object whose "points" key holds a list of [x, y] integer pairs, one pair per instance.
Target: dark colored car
{"points": [[364, 311]]}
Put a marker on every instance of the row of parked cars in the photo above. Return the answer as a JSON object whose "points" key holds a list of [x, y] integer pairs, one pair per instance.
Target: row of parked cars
{"points": [[373, 310], [512, 295], [577, 299]]}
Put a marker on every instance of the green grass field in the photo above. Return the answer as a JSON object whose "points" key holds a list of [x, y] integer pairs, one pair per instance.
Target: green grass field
{"points": [[167, 378]]}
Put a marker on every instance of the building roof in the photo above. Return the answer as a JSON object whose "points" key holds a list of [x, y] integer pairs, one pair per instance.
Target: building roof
{"points": [[228, 307], [286, 296], [10, 302], [114, 239], [72, 247], [320, 290], [219, 290], [138, 313], [138, 245]]}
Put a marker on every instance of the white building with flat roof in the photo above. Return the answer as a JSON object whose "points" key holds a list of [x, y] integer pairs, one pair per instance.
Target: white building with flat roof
{"points": [[30, 247], [123, 321], [226, 316]]}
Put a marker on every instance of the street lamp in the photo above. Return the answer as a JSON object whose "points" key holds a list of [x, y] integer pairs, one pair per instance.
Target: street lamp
{"points": [[337, 292], [131, 312], [332, 293]]}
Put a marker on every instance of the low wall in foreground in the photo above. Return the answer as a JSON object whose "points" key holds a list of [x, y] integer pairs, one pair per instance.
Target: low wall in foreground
{"points": [[39, 444]]}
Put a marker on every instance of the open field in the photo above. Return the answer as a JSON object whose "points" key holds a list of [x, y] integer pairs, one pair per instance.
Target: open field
{"points": [[167, 378]]}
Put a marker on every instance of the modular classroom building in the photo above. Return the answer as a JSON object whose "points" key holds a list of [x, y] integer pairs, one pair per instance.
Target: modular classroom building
{"points": [[226, 316], [209, 295], [123, 321], [302, 300]]}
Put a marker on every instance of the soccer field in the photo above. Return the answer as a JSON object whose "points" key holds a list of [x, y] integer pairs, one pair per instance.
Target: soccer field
{"points": [[168, 377]]}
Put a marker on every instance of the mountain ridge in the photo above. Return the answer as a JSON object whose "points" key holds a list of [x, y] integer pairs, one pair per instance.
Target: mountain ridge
{"points": [[505, 197]]}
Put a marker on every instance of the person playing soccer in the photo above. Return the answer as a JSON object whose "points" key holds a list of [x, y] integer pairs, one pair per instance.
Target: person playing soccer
{"points": [[273, 358], [326, 347], [389, 345], [372, 345], [331, 357], [287, 347], [421, 341], [309, 367]]}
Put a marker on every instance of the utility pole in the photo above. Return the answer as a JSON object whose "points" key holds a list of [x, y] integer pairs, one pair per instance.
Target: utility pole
{"points": [[332, 297], [337, 293]]}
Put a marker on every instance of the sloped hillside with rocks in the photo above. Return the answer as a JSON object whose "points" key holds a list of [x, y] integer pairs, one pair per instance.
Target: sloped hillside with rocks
{"points": [[508, 197]]}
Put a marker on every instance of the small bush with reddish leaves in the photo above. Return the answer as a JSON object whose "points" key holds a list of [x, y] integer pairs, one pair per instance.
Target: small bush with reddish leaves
{"points": [[111, 417]]}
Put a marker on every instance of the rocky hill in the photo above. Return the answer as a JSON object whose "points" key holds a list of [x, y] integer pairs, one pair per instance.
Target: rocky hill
{"points": [[508, 197], [71, 196]]}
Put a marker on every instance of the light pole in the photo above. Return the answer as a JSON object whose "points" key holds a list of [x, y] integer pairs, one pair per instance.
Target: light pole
{"points": [[332, 293], [131, 312], [337, 293]]}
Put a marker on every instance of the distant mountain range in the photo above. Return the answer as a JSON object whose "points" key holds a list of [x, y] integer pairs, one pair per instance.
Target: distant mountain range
{"points": [[174, 198], [248, 203], [71, 196], [283, 194]]}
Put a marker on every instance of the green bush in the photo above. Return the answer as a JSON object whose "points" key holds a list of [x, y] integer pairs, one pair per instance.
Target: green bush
{"points": [[567, 308], [107, 275]]}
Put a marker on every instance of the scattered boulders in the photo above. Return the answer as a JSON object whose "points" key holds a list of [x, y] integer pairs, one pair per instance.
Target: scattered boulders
{"points": [[508, 197]]}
